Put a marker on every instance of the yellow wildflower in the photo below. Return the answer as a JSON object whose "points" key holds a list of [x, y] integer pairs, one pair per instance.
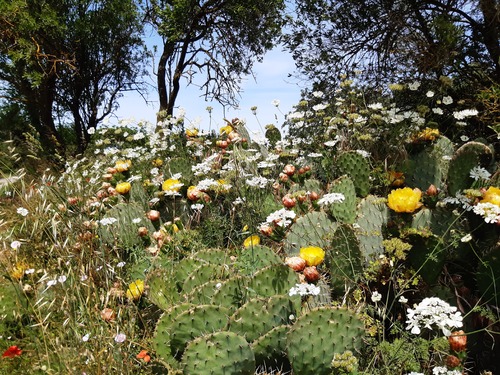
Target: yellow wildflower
{"points": [[18, 270], [492, 195], [251, 241], [428, 134], [404, 200], [123, 187], [192, 132], [123, 165], [135, 290], [171, 185], [313, 255]]}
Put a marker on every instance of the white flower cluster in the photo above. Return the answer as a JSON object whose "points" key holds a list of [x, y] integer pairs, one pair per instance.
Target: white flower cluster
{"points": [[206, 184], [331, 198], [282, 218], [108, 221], [489, 211], [433, 311], [460, 115], [304, 289], [205, 166], [257, 181], [442, 370], [479, 173]]}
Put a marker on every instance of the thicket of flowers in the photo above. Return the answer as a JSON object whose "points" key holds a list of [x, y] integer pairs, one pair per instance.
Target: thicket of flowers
{"points": [[388, 214]]}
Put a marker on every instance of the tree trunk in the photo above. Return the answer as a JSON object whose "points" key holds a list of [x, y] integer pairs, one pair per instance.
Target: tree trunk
{"points": [[39, 104], [491, 32]]}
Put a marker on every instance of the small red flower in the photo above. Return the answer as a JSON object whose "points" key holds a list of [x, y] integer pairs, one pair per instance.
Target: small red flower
{"points": [[13, 351]]}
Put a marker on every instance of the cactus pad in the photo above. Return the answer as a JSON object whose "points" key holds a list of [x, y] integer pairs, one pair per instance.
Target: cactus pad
{"points": [[318, 335], [220, 353]]}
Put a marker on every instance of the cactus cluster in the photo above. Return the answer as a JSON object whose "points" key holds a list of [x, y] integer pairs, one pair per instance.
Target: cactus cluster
{"points": [[236, 317]]}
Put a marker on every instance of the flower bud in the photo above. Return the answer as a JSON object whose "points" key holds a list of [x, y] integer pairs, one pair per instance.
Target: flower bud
{"points": [[295, 263], [153, 215], [288, 201], [311, 274], [289, 170], [432, 191], [142, 231], [458, 341]]}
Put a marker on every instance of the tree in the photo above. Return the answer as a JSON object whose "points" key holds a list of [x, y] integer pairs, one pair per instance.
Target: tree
{"points": [[396, 39], [105, 39], [220, 38], [68, 57]]}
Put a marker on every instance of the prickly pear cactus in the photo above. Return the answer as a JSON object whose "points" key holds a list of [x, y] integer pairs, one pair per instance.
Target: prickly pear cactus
{"points": [[430, 165], [162, 292], [344, 212], [470, 155], [318, 335], [270, 349], [124, 233], [357, 168], [259, 315], [161, 337], [373, 214], [312, 229], [180, 165], [344, 259], [193, 323], [221, 353], [203, 274], [232, 293], [272, 280], [255, 258]]}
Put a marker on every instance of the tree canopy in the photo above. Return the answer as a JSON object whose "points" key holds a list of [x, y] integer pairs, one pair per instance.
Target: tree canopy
{"points": [[396, 39], [68, 57], [220, 39]]}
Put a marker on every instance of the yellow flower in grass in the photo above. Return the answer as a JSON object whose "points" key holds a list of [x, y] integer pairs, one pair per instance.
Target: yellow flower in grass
{"points": [[172, 185], [135, 290], [492, 195], [123, 165], [123, 187], [251, 241], [313, 255], [17, 272], [404, 200]]}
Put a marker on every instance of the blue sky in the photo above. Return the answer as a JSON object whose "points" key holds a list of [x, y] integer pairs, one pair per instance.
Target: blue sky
{"points": [[271, 82]]}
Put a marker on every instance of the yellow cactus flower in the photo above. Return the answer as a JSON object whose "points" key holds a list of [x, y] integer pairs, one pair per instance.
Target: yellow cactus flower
{"points": [[171, 185], [226, 129], [428, 134], [135, 290], [492, 195], [251, 241], [404, 200], [192, 132], [313, 255], [123, 165], [157, 162], [123, 187]]}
